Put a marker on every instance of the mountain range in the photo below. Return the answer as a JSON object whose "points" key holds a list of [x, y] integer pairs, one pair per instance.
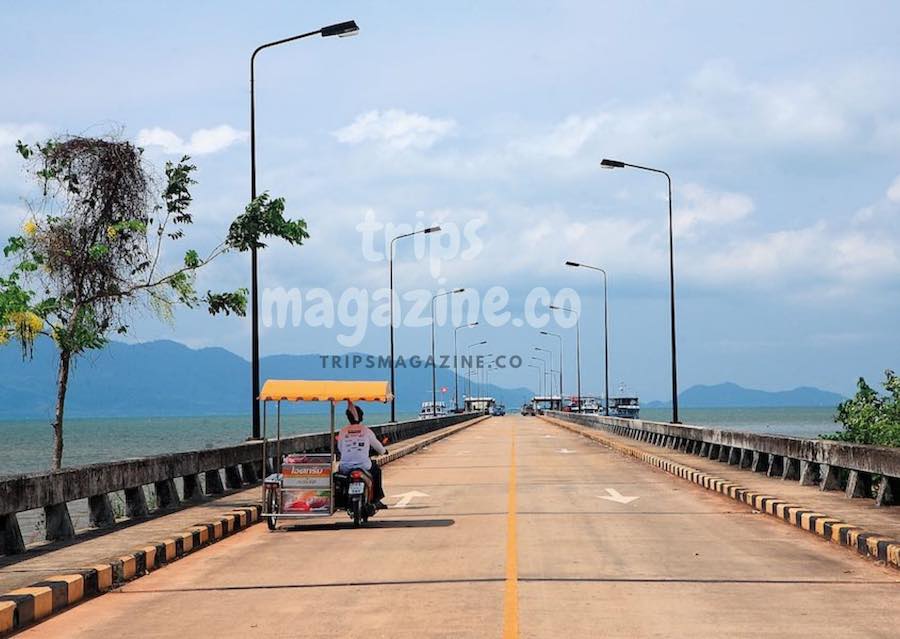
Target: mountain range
{"points": [[733, 396], [166, 378]]}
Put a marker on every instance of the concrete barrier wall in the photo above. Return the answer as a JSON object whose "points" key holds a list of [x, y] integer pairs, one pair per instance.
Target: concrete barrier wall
{"points": [[860, 471], [242, 465]]}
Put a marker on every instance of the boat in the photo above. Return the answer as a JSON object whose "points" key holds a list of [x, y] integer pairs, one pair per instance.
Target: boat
{"points": [[625, 405], [439, 410]]}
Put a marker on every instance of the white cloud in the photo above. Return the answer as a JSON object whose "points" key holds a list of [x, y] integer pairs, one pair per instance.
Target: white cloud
{"points": [[893, 192], [201, 142], [700, 206], [395, 129]]}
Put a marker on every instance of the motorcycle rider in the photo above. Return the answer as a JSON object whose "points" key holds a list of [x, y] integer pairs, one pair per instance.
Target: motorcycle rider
{"points": [[355, 440]]}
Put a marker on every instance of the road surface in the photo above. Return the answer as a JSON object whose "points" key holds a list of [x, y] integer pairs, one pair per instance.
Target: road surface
{"points": [[513, 527]]}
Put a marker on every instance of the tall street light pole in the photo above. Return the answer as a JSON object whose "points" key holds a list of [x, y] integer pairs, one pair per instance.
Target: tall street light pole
{"points": [[616, 164], [433, 229], [549, 364], [456, 365], [481, 343], [543, 364], [342, 29], [433, 362], [605, 333], [577, 347], [559, 337], [540, 376]]}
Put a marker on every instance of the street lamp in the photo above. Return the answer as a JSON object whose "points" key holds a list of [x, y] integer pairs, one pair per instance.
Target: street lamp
{"points": [[616, 164], [433, 362], [456, 365], [543, 373], [341, 29], [605, 332], [559, 337], [577, 347], [549, 364], [469, 377], [540, 377], [433, 229]]}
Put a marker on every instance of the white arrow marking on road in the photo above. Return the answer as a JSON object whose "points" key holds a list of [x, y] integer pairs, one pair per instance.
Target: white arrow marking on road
{"points": [[616, 496], [565, 451], [549, 437], [405, 498]]}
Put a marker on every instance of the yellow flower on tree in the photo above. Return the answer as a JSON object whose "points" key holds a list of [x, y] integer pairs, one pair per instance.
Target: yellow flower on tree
{"points": [[111, 232], [30, 228], [4, 336], [27, 325]]}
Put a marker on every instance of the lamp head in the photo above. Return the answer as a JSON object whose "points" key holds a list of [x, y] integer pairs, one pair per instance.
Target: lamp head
{"points": [[433, 229], [570, 263], [612, 164], [342, 29], [459, 290]]}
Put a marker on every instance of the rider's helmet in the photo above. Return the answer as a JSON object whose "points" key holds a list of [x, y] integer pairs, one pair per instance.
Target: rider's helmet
{"points": [[354, 415]]}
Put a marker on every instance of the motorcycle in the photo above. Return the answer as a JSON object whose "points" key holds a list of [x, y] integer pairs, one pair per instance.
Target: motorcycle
{"points": [[355, 493]]}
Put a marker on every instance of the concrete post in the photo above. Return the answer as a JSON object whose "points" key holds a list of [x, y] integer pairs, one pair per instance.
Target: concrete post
{"points": [[724, 453], [213, 481], [735, 457], [830, 477], [714, 451], [233, 477], [776, 466], [808, 473], [858, 485], [11, 535], [166, 494], [136, 502], [101, 512], [791, 469], [888, 492], [58, 522], [760, 462], [704, 449], [746, 458], [191, 488], [249, 473]]}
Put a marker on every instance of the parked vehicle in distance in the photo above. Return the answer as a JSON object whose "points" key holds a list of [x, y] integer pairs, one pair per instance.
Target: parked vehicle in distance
{"points": [[527, 409], [426, 412], [498, 410]]}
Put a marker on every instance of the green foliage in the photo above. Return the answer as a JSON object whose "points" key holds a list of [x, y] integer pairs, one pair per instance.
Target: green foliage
{"points": [[264, 217], [871, 418]]}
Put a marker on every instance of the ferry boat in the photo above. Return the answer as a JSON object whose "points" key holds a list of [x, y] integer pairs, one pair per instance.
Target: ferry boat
{"points": [[624, 405], [439, 410]]}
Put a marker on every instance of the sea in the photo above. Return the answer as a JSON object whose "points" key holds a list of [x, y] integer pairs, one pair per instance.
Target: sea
{"points": [[26, 445]]}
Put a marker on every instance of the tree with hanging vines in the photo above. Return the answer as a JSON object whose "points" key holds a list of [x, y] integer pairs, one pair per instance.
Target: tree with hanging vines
{"points": [[97, 244]]}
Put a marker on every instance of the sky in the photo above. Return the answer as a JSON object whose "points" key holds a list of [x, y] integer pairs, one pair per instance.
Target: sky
{"points": [[778, 122]]}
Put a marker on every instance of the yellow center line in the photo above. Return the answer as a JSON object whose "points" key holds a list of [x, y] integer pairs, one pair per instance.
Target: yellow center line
{"points": [[511, 594]]}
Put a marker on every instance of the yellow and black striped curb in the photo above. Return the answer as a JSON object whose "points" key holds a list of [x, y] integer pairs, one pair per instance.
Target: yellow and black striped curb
{"points": [[22, 606], [866, 543]]}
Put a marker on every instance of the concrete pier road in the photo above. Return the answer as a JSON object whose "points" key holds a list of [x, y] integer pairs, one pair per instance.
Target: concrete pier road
{"points": [[513, 527]]}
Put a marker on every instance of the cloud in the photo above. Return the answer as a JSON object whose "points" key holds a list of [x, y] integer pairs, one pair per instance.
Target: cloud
{"points": [[395, 129], [202, 141], [893, 192], [700, 206]]}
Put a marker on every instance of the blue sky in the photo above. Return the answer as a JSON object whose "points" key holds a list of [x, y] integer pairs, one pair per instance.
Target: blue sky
{"points": [[780, 126]]}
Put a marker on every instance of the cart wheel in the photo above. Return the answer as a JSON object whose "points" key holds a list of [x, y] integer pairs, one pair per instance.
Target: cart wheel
{"points": [[271, 506]]}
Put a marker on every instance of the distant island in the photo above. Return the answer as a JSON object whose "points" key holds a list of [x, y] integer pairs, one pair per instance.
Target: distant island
{"points": [[166, 378], [730, 395]]}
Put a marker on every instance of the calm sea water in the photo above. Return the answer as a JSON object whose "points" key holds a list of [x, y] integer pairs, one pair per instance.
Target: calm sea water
{"points": [[25, 446]]}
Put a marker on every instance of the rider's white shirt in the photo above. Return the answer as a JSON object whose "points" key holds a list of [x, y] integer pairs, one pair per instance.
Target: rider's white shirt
{"points": [[354, 441]]}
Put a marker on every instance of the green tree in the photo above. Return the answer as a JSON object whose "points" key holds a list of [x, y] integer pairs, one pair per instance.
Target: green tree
{"points": [[871, 418], [90, 252]]}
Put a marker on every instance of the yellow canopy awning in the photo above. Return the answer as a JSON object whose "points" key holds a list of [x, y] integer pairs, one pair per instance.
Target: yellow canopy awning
{"points": [[296, 390]]}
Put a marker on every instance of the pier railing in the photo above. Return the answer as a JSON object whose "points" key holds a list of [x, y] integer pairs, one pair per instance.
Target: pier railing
{"points": [[241, 465], [860, 471]]}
